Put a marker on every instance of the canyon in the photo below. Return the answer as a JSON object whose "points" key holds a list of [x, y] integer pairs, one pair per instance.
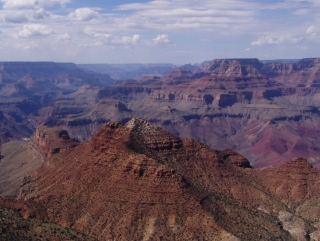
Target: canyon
{"points": [[26, 87], [267, 112], [139, 182], [223, 150]]}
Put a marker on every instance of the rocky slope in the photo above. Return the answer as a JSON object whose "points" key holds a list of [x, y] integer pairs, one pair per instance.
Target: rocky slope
{"points": [[138, 182], [14, 227], [256, 109], [21, 157]]}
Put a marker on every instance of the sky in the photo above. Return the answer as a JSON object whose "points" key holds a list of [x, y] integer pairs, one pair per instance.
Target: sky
{"points": [[158, 31]]}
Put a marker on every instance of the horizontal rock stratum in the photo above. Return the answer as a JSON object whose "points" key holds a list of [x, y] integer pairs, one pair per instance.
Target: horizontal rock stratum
{"points": [[139, 182], [269, 112]]}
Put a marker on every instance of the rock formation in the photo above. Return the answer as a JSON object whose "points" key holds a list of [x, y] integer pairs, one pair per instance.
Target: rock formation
{"points": [[14, 227], [26, 87], [50, 141], [256, 109], [21, 157], [139, 182], [267, 112]]}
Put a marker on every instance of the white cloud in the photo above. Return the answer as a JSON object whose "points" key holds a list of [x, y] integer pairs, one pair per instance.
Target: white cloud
{"points": [[112, 40], [41, 14], [312, 30], [15, 18], [53, 2], [233, 16], [35, 30], [64, 37], [188, 23], [296, 38], [278, 40], [162, 39], [266, 40], [18, 4], [173, 15], [30, 4], [84, 14]]}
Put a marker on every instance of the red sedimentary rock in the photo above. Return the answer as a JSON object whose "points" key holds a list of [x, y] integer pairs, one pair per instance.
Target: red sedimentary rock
{"points": [[138, 182]]}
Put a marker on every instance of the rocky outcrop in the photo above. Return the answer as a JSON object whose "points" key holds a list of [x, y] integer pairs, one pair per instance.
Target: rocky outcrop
{"points": [[21, 157], [224, 100], [50, 141], [305, 73], [232, 157], [139, 182], [178, 76], [235, 66]]}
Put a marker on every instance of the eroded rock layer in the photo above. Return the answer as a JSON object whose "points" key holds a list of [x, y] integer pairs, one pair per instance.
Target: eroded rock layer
{"points": [[138, 182], [267, 112]]}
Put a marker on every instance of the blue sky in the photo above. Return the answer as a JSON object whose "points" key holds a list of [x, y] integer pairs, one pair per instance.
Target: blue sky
{"points": [[157, 31]]}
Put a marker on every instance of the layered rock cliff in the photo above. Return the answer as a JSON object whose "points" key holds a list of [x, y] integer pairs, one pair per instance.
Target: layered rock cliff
{"points": [[305, 73], [240, 104], [50, 141], [267, 112]]}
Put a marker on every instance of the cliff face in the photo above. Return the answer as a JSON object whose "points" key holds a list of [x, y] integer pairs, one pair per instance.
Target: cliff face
{"points": [[237, 67], [305, 73], [240, 104], [50, 141], [139, 182], [227, 103]]}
